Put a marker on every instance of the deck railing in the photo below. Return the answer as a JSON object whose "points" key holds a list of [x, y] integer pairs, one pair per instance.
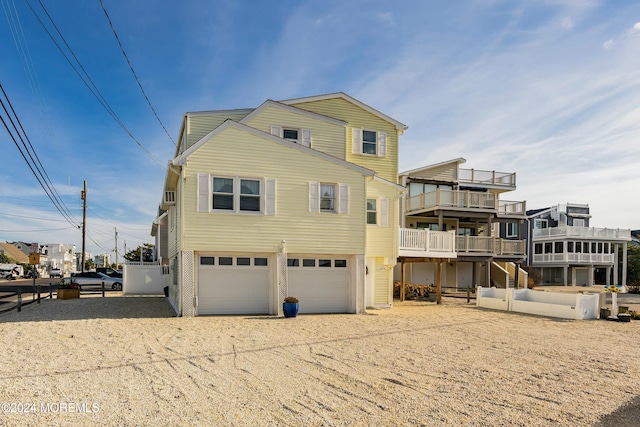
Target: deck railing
{"points": [[582, 232], [452, 199], [490, 245], [426, 241], [475, 176], [506, 207], [574, 258]]}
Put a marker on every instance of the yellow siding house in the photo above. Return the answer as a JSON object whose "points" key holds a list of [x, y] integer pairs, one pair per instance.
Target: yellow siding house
{"points": [[275, 201]]}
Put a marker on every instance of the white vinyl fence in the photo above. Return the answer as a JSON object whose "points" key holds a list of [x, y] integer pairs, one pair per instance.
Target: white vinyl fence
{"points": [[144, 278]]}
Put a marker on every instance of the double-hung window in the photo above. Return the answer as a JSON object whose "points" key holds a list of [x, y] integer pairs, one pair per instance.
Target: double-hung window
{"points": [[512, 229], [327, 197], [372, 213], [223, 193], [235, 194], [250, 195], [368, 142]]}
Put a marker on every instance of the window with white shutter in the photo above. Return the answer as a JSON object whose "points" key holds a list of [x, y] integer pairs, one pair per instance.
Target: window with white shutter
{"points": [[204, 190], [314, 197], [218, 194], [384, 212], [326, 197], [368, 142]]}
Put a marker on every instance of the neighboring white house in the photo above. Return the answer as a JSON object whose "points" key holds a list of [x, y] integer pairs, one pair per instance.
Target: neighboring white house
{"points": [[567, 251]]}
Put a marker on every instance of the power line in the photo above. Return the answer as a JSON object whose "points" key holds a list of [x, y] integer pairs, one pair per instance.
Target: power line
{"points": [[40, 168], [94, 91], [41, 176], [134, 73]]}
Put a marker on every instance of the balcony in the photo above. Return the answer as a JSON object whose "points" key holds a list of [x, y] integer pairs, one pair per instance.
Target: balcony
{"points": [[465, 201], [508, 208], [426, 243], [505, 180], [452, 199], [486, 245], [581, 232], [445, 244], [573, 258]]}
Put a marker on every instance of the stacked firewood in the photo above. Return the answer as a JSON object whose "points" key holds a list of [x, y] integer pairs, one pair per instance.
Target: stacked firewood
{"points": [[412, 290]]}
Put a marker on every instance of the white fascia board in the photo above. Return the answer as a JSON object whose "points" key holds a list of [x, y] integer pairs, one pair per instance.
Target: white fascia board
{"points": [[435, 165], [218, 112], [387, 182], [171, 177], [156, 223], [399, 125], [295, 110], [181, 160]]}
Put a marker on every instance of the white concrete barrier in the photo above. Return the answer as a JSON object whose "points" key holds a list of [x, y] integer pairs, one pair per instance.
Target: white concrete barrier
{"points": [[552, 304], [494, 298]]}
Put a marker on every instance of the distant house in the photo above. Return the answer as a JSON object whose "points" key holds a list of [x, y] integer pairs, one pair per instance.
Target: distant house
{"points": [[296, 197], [61, 256], [457, 226], [566, 250]]}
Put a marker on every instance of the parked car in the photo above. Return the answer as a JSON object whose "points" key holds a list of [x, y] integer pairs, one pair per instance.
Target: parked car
{"points": [[109, 272], [55, 272], [9, 274], [95, 279]]}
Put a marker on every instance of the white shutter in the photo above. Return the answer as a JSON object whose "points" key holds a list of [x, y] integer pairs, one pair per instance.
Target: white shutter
{"points": [[270, 196], [204, 190], [276, 130], [343, 198], [384, 212], [382, 144], [306, 138], [356, 141], [314, 196]]}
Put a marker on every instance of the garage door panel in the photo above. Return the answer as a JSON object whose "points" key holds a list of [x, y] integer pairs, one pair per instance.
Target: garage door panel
{"points": [[233, 289], [320, 289]]}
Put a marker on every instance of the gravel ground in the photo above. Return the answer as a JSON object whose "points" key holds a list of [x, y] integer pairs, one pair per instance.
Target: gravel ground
{"points": [[126, 361]]}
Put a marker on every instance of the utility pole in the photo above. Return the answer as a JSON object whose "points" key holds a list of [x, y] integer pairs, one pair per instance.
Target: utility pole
{"points": [[116, 247], [83, 196]]}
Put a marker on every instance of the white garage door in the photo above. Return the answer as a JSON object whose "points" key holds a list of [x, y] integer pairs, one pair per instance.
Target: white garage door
{"points": [[320, 283], [233, 285]]}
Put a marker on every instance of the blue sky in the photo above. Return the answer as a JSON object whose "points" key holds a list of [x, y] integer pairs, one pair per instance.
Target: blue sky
{"points": [[547, 89]]}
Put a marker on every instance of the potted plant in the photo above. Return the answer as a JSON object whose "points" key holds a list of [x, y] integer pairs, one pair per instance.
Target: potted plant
{"points": [[290, 307], [68, 289]]}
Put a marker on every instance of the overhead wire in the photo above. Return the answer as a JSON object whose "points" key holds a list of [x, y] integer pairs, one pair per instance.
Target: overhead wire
{"points": [[42, 177], [126, 57], [37, 163], [88, 81]]}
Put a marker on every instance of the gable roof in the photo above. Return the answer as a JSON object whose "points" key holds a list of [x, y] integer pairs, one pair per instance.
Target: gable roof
{"points": [[435, 165], [13, 252], [181, 159], [399, 125], [270, 103]]}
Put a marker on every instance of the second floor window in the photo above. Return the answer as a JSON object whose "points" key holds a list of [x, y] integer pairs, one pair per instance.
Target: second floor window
{"points": [[328, 197], [369, 142], [512, 229], [236, 194], [372, 214]]}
